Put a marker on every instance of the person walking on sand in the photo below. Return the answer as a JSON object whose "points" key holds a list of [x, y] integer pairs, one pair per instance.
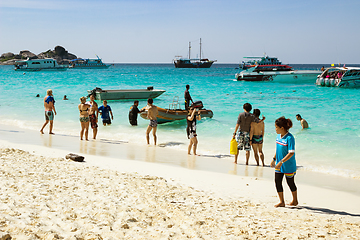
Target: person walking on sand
{"points": [[93, 114], [284, 160], [243, 136], [257, 132], [152, 116], [49, 104], [104, 111], [133, 113], [187, 97], [303, 122], [193, 115], [84, 118]]}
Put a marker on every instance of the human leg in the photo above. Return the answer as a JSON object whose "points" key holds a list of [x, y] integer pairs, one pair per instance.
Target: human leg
{"points": [[42, 129], [279, 189], [51, 127], [262, 157], [154, 134], [87, 131], [291, 183], [82, 130], [148, 130], [256, 156], [195, 141]]}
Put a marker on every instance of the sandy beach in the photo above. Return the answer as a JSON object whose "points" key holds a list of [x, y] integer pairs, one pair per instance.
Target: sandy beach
{"points": [[45, 196]]}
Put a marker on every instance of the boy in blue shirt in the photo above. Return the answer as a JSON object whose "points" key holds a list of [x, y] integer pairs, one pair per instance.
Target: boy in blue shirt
{"points": [[104, 111]]}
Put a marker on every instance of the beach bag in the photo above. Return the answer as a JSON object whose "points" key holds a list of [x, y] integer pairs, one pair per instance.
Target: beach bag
{"points": [[233, 147]]}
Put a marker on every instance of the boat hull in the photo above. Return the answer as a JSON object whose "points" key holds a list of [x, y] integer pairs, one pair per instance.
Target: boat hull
{"points": [[285, 76], [181, 64], [126, 94], [170, 115], [40, 69]]}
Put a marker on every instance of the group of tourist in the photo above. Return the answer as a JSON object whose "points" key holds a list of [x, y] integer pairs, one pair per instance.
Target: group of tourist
{"points": [[249, 131]]}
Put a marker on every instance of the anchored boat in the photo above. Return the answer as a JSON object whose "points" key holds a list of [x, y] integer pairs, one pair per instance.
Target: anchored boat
{"points": [[339, 77], [88, 63], [174, 113], [120, 94], [192, 63], [278, 73], [47, 64], [265, 60]]}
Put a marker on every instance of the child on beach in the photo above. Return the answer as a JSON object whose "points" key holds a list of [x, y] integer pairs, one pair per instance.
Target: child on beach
{"points": [[84, 118], [104, 111], [191, 128], [257, 131], [284, 160]]}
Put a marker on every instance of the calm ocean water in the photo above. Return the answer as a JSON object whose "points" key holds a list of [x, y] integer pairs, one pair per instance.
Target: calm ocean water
{"points": [[331, 145]]}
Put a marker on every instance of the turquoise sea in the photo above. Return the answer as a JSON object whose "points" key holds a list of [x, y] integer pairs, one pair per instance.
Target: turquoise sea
{"points": [[331, 145]]}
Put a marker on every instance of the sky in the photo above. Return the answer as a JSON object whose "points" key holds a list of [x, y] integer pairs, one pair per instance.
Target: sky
{"points": [[155, 31]]}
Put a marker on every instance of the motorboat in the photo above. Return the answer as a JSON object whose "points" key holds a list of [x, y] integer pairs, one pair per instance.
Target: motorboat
{"points": [[88, 63], [180, 62], [119, 94], [278, 73], [339, 77], [175, 113], [255, 61], [47, 64]]}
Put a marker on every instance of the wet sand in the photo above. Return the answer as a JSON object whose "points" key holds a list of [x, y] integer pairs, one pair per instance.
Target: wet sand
{"points": [[45, 196]]}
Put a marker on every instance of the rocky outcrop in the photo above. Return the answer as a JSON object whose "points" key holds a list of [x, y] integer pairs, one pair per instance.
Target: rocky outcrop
{"points": [[59, 54]]}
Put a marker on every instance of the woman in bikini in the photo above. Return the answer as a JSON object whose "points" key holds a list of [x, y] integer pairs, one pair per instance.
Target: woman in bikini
{"points": [[84, 118], [257, 131]]}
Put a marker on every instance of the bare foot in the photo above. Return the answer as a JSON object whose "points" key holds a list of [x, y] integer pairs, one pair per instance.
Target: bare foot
{"points": [[294, 203], [51, 133], [280, 205], [41, 132], [235, 162]]}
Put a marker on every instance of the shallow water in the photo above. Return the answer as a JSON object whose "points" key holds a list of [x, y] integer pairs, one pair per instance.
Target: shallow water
{"points": [[331, 145]]}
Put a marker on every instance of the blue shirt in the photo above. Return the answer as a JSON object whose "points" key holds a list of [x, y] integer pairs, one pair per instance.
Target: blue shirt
{"points": [[105, 111], [285, 145]]}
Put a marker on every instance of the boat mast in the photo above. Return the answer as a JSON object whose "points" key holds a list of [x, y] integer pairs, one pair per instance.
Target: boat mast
{"points": [[189, 49], [200, 49]]}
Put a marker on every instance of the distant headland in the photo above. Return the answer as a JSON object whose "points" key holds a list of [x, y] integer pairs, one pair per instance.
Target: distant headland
{"points": [[59, 54]]}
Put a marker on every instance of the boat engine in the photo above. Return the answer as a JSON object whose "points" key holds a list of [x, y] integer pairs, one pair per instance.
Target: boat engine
{"points": [[93, 92], [197, 104]]}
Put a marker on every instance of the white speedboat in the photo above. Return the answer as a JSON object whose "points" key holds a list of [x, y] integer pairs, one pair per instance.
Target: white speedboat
{"points": [[119, 94], [339, 77], [48, 64], [277, 73]]}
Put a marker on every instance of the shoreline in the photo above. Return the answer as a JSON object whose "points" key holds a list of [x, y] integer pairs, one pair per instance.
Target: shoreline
{"points": [[155, 160], [109, 197], [169, 156]]}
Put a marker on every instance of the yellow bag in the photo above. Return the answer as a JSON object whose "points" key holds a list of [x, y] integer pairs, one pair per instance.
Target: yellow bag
{"points": [[233, 147]]}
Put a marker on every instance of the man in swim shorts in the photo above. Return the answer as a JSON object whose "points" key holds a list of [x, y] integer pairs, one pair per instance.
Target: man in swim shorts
{"points": [[104, 110], [152, 116], [243, 136], [93, 115], [49, 104], [257, 130]]}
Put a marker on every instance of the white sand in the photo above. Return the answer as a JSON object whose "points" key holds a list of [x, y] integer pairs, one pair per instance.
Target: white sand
{"points": [[44, 196]]}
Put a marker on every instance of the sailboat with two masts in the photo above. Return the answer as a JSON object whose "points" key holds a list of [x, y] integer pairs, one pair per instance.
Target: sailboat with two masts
{"points": [[193, 63]]}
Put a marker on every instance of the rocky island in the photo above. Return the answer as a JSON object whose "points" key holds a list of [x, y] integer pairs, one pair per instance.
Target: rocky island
{"points": [[59, 53]]}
